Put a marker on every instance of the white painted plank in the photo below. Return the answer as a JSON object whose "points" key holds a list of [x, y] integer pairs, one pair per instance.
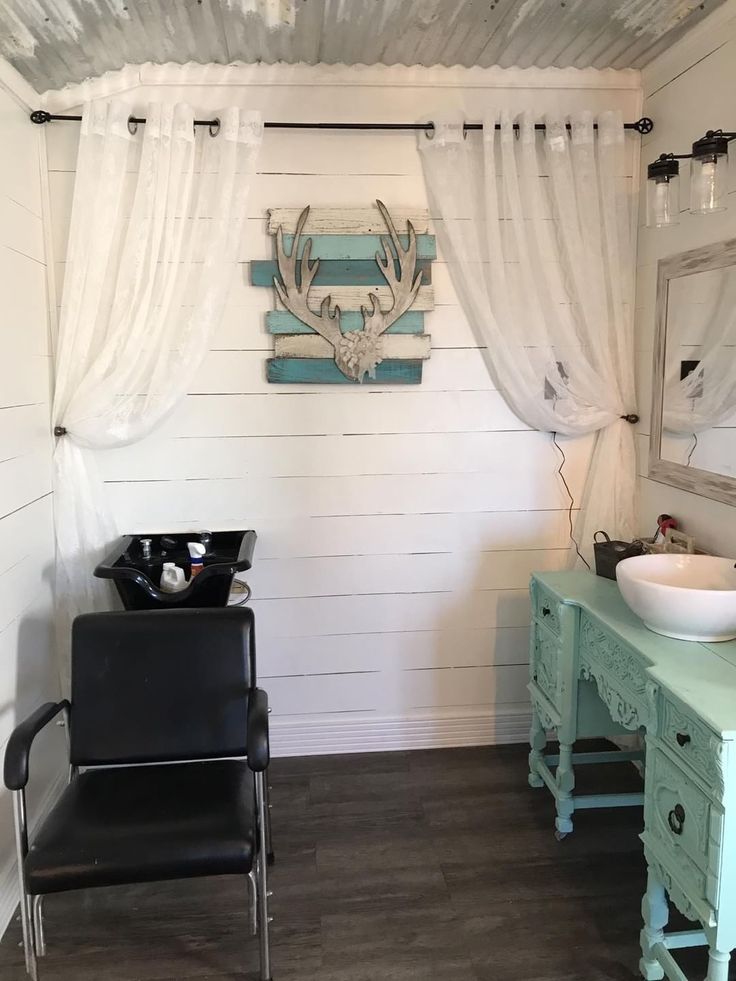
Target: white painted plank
{"points": [[23, 324], [353, 297], [383, 534], [20, 229], [19, 165], [346, 221], [438, 688], [324, 693], [383, 613], [397, 692], [207, 503], [313, 346], [443, 572], [24, 429], [351, 412], [28, 533], [24, 379], [391, 652], [23, 479], [324, 456], [25, 584]]}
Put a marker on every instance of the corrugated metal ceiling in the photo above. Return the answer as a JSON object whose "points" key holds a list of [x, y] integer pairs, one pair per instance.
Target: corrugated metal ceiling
{"points": [[56, 42]]}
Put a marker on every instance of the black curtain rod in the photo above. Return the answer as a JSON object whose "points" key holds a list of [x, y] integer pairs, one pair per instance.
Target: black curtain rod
{"points": [[642, 126]]}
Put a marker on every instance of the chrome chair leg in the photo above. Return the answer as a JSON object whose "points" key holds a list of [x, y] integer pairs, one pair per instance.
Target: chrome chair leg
{"points": [[262, 879], [26, 917], [38, 926], [269, 843], [253, 902]]}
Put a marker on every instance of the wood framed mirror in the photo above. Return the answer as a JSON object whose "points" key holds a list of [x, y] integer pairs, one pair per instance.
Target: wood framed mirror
{"points": [[693, 425]]}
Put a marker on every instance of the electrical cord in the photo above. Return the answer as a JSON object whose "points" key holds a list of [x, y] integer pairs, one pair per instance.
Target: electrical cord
{"points": [[563, 461], [692, 449]]}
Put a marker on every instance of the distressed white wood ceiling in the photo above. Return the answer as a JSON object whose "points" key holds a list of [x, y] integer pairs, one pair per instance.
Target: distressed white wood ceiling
{"points": [[56, 42]]}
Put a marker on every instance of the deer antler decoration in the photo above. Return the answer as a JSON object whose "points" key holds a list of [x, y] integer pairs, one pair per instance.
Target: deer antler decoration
{"points": [[356, 352]]}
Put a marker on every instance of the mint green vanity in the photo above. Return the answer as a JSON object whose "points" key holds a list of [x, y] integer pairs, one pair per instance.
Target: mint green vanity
{"points": [[596, 670]]}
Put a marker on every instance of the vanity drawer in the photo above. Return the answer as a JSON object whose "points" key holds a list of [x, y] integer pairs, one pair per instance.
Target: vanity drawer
{"points": [[691, 742], [545, 662], [619, 672], [683, 826], [546, 608]]}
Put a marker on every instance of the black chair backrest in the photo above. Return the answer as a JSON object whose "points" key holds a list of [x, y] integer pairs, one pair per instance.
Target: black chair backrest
{"points": [[160, 685]]}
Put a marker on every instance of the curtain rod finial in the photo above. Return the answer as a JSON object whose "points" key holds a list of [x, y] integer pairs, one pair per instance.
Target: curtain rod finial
{"points": [[644, 125], [40, 116]]}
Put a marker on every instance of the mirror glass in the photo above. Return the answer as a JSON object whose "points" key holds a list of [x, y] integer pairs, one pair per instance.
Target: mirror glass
{"points": [[699, 385], [693, 424]]}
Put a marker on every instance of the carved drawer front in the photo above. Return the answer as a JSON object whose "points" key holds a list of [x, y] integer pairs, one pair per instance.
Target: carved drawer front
{"points": [[619, 673], [685, 827], [692, 742], [545, 663], [546, 609]]}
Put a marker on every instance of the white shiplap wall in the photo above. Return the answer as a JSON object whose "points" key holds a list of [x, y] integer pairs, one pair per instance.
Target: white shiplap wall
{"points": [[28, 674], [397, 527], [687, 91]]}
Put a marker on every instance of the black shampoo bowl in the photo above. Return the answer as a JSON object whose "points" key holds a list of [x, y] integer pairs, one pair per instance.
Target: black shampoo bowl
{"points": [[137, 577]]}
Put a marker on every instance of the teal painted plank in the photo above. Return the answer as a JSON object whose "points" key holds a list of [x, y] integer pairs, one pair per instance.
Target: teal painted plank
{"points": [[324, 371], [283, 322], [336, 272], [358, 246]]}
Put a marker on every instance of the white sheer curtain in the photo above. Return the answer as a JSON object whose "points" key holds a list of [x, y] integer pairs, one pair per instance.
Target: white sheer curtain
{"points": [[157, 222], [539, 236]]}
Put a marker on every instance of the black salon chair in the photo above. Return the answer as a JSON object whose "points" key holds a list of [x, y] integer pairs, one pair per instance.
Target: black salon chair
{"points": [[168, 751]]}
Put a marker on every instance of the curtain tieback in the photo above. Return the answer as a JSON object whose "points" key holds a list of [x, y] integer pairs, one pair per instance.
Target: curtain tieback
{"points": [[632, 417], [59, 431]]}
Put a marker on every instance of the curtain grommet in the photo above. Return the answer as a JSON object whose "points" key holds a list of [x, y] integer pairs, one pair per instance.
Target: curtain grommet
{"points": [[132, 125], [214, 126]]}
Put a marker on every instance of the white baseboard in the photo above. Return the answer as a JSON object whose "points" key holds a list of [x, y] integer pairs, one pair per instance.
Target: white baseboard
{"points": [[317, 737], [9, 874]]}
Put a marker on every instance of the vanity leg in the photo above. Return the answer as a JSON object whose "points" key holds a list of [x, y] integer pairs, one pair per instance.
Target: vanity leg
{"points": [[538, 742], [565, 779], [656, 913], [718, 965]]}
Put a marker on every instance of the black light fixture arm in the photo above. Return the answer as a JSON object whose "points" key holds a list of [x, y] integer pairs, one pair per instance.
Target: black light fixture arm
{"points": [[642, 126]]}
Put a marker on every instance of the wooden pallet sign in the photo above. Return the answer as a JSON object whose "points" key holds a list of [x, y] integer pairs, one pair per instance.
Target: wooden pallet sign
{"points": [[351, 294]]}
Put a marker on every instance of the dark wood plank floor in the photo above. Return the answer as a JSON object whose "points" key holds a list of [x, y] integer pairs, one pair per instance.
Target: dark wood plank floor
{"points": [[400, 866]]}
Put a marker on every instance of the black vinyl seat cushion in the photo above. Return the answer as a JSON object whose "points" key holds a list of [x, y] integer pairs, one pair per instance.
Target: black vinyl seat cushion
{"points": [[144, 824]]}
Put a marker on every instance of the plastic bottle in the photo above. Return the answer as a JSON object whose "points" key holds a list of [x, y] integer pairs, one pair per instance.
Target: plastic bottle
{"points": [[173, 578], [196, 554]]}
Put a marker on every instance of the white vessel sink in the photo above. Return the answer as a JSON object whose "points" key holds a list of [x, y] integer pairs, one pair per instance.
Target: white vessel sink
{"points": [[690, 597]]}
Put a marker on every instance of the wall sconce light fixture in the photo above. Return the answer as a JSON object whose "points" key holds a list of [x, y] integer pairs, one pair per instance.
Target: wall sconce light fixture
{"points": [[708, 180]]}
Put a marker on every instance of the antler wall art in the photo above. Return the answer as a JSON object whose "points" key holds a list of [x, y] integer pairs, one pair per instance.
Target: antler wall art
{"points": [[343, 316]]}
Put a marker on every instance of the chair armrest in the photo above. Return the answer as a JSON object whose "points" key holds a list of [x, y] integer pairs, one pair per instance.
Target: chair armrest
{"points": [[18, 749], [258, 748]]}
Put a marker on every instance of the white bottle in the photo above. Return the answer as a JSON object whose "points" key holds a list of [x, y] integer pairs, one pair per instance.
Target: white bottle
{"points": [[196, 554], [173, 578]]}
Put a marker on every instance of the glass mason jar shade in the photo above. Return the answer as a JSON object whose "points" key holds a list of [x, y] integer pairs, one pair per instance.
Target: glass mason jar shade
{"points": [[663, 197], [709, 174]]}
